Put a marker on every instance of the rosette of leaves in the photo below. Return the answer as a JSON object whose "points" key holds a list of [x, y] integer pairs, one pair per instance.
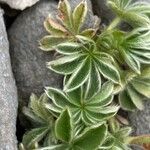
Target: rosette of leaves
{"points": [[43, 124], [67, 25], [136, 88], [69, 140], [85, 111], [128, 48], [136, 14], [83, 62]]}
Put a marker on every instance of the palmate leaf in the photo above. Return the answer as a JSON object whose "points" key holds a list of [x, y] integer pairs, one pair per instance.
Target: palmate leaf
{"points": [[81, 61], [136, 14], [128, 48], [82, 109]]}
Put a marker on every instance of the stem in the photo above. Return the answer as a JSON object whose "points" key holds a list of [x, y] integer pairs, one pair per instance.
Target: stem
{"points": [[114, 23]]}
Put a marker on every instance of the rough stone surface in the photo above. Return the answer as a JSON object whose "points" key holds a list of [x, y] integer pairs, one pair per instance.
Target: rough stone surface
{"points": [[8, 95], [140, 120], [19, 4], [28, 61], [76, 2], [100, 8]]}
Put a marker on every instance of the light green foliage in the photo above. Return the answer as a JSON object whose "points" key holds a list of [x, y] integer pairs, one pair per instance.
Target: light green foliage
{"points": [[102, 70]]}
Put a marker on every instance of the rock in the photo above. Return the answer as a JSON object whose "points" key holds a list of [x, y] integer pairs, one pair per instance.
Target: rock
{"points": [[28, 61], [8, 95], [74, 3], [140, 120], [19, 4], [100, 8]]}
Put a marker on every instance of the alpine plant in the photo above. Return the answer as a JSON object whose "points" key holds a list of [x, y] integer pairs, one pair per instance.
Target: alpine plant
{"points": [[105, 68]]}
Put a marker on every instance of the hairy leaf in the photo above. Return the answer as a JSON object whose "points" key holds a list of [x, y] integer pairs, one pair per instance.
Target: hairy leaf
{"points": [[94, 134], [63, 127]]}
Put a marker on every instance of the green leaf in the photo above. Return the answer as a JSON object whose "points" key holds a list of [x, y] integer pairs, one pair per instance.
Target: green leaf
{"points": [[63, 126], [103, 110], [126, 102], [79, 15], [34, 136], [108, 70], [65, 65], [48, 42], [79, 76], [65, 13], [142, 86], [103, 94], [32, 116], [95, 135], [131, 61], [54, 27], [37, 107], [124, 132], [88, 32], [75, 96], [135, 97], [93, 83], [58, 97], [68, 48], [108, 143]]}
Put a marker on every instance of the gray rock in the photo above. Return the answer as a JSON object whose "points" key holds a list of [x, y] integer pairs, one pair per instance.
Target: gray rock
{"points": [[76, 2], [28, 61], [19, 4], [140, 120], [8, 95], [100, 8]]}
